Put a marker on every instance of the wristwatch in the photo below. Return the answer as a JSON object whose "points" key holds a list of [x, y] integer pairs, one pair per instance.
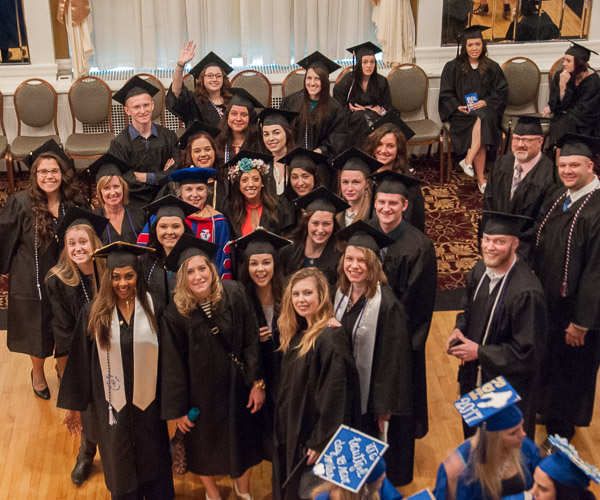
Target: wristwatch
{"points": [[260, 384]]}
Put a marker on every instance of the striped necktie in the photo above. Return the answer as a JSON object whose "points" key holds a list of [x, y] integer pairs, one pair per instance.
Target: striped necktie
{"points": [[518, 171]]}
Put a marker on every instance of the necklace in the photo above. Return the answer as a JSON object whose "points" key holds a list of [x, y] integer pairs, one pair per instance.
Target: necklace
{"points": [[87, 297]]}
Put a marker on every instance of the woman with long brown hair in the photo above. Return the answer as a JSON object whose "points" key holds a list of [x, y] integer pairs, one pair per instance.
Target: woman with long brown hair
{"points": [[113, 372], [28, 250]]}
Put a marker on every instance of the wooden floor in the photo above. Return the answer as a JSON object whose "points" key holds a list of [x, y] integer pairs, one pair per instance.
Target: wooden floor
{"points": [[37, 454]]}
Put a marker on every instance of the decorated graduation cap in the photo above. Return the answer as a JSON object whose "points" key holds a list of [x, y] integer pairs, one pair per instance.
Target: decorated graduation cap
{"points": [[107, 165], [241, 97], [361, 234], [301, 158], [425, 494], [50, 146], [355, 159], [189, 246], [76, 216], [364, 49], [393, 118], [261, 241], [134, 86], [245, 161], [504, 223], [321, 199], [528, 125], [210, 59], [318, 60], [475, 31], [578, 50], [170, 206], [121, 254], [566, 467], [193, 175], [273, 116], [197, 128], [392, 182], [579, 145]]}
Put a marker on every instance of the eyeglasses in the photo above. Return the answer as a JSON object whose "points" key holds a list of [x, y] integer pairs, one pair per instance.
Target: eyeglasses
{"points": [[45, 172], [526, 140], [211, 76]]}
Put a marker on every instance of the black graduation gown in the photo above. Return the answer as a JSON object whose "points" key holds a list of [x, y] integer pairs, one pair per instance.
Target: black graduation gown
{"points": [[158, 279], [317, 393], [197, 372], [187, 108], [530, 195], [359, 122], [135, 450], [516, 339], [491, 87], [152, 158], [578, 110], [411, 268], [534, 28], [134, 221], [292, 258], [568, 378], [390, 389], [29, 328], [415, 212]]}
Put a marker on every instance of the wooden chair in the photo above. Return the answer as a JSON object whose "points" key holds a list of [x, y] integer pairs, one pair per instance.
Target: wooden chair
{"points": [[293, 82], [557, 67], [256, 83], [342, 74]]}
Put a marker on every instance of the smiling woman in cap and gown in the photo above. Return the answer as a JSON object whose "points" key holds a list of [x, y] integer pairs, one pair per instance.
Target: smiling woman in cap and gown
{"points": [[113, 371]]}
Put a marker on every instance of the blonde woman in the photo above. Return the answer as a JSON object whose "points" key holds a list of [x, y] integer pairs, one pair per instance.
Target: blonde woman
{"points": [[318, 388], [210, 361]]}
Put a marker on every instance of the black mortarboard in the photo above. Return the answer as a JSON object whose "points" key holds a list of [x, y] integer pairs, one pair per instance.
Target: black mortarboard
{"points": [[107, 165], [579, 145], [75, 216], [475, 31], [577, 50], [528, 125], [260, 241], [134, 86], [210, 59], [392, 182], [121, 254], [272, 116], [393, 118], [188, 246], [196, 128], [503, 223], [300, 158], [316, 59], [50, 146], [241, 97], [323, 200], [170, 206], [355, 159], [361, 234], [364, 49], [193, 175]]}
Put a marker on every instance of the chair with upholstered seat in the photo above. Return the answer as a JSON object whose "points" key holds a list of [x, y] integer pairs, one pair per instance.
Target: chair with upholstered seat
{"points": [[557, 67], [293, 82], [256, 83], [342, 74], [409, 87], [90, 103], [35, 102], [4, 140]]}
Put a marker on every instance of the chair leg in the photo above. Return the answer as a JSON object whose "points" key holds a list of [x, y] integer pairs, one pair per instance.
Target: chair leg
{"points": [[429, 151], [441, 153], [449, 158], [10, 173]]}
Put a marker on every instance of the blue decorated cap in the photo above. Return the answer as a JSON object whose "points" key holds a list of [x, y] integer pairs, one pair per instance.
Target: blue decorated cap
{"points": [[509, 417], [566, 467], [193, 175]]}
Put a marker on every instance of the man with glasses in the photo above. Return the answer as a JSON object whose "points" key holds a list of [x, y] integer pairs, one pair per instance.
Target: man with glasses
{"points": [[520, 181]]}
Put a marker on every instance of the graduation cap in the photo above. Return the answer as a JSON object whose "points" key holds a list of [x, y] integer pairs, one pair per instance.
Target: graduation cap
{"points": [[580, 145], [318, 60], [261, 241], [121, 254], [50, 146], [272, 116], [504, 223], [528, 125], [188, 246], [210, 59], [75, 216], [107, 165], [301, 158], [355, 159], [323, 200], [361, 234], [134, 86], [364, 49], [566, 467], [193, 175], [475, 31], [247, 160], [393, 118], [392, 182], [196, 128], [241, 97], [577, 50], [170, 206]]}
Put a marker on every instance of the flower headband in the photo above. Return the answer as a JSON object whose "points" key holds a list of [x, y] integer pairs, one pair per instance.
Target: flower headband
{"points": [[244, 166]]}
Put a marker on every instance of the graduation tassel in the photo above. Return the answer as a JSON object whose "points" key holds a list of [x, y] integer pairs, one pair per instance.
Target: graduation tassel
{"points": [[96, 277], [111, 416]]}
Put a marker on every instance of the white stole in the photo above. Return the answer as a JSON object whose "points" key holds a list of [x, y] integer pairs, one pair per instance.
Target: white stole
{"points": [[363, 338], [145, 362]]}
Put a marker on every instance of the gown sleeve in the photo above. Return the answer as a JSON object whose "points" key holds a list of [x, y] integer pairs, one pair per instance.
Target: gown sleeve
{"points": [[63, 322], [341, 90], [448, 103], [335, 131], [182, 106], [387, 95], [250, 347], [11, 227], [498, 93], [586, 308]]}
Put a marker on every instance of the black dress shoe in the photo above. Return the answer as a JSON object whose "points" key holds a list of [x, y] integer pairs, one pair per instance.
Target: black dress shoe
{"points": [[82, 469], [43, 393]]}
